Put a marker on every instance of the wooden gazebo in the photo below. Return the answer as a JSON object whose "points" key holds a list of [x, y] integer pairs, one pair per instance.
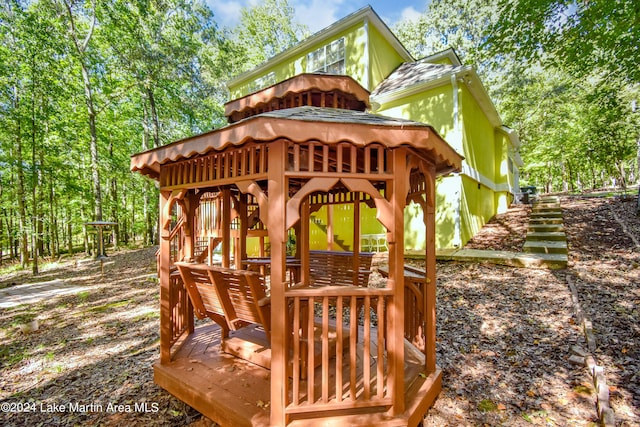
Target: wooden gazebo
{"points": [[317, 345]]}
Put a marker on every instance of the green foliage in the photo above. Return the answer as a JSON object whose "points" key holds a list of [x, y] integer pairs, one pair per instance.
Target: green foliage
{"points": [[265, 30], [583, 36]]}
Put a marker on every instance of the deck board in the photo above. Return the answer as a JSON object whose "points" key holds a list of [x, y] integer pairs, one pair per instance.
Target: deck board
{"points": [[234, 392]]}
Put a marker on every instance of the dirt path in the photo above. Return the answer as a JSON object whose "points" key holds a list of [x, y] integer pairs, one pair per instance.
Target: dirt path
{"points": [[504, 336]]}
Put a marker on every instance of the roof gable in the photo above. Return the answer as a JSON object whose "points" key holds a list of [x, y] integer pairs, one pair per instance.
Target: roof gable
{"points": [[447, 56], [363, 15]]}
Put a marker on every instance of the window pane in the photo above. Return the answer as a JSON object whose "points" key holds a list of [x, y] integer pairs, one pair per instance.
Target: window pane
{"points": [[327, 59], [336, 68], [335, 51]]}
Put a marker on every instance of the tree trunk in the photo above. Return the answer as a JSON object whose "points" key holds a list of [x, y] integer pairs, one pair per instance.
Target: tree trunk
{"points": [[36, 180], [154, 118], [85, 235], [53, 222], [81, 48], [70, 237], [638, 175], [1, 239], [115, 231], [95, 169], [11, 234], [22, 210]]}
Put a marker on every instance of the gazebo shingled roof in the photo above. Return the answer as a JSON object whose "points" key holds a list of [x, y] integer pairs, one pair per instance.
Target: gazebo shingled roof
{"points": [[349, 94], [300, 124]]}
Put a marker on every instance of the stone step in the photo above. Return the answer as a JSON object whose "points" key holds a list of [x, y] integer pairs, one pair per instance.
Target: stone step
{"points": [[546, 208], [527, 260], [547, 214], [546, 246], [545, 227], [549, 199], [545, 220], [547, 235]]}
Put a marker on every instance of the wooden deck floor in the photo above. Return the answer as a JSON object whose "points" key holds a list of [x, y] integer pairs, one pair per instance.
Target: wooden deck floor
{"points": [[234, 392]]}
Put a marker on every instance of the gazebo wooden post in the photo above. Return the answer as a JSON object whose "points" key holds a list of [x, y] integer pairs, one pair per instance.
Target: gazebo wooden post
{"points": [[164, 270], [189, 210], [303, 244], [241, 242], [356, 238], [429, 173], [397, 198], [277, 192], [226, 228], [330, 223]]}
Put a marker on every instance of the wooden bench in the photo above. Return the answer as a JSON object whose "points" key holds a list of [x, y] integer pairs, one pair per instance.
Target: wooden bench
{"points": [[236, 298], [329, 268]]}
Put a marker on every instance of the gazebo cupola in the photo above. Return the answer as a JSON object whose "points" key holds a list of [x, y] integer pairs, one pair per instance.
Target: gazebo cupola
{"points": [[333, 348], [311, 90]]}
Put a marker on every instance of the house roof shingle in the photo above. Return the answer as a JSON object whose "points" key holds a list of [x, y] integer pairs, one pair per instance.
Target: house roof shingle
{"points": [[412, 73]]}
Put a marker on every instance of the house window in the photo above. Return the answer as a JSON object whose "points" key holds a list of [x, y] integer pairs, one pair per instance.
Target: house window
{"points": [[328, 59], [262, 82]]}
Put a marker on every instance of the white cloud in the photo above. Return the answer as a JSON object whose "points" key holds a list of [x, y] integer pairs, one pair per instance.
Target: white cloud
{"points": [[226, 13], [409, 14], [317, 14]]}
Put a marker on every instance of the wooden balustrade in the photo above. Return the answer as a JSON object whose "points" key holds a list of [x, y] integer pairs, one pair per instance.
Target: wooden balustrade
{"points": [[217, 168], [181, 310], [313, 157], [353, 370]]}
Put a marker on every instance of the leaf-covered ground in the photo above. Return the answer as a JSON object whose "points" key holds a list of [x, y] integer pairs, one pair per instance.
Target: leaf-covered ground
{"points": [[504, 335]]}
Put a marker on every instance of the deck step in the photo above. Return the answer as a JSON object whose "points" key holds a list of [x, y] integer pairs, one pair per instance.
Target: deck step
{"points": [[546, 247]]}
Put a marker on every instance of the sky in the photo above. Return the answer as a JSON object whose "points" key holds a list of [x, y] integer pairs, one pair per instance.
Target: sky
{"points": [[318, 14]]}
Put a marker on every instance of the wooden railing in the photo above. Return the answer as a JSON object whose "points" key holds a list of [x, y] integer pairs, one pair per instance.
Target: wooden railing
{"points": [[415, 305], [181, 310], [314, 158], [352, 369], [249, 161]]}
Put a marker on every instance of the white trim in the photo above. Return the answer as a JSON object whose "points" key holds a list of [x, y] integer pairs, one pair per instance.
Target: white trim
{"points": [[478, 177], [456, 108], [457, 221], [322, 36], [512, 134], [367, 56], [447, 53]]}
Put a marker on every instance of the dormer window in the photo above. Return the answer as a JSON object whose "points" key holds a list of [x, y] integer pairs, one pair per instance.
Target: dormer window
{"points": [[329, 59]]}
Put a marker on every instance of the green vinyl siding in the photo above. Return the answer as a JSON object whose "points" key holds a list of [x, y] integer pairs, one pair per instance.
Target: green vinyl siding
{"points": [[433, 106], [478, 136], [383, 58]]}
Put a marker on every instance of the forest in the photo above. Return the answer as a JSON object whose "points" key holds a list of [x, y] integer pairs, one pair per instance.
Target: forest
{"points": [[85, 84]]}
